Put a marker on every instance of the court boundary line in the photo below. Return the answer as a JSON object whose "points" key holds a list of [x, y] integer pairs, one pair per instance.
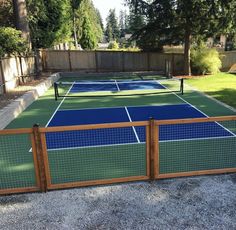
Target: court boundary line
{"points": [[117, 86], [64, 98], [118, 107], [135, 133], [198, 110], [97, 146], [196, 139], [136, 143]]}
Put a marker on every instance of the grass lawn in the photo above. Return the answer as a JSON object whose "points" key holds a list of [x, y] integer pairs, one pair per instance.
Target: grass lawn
{"points": [[221, 86]]}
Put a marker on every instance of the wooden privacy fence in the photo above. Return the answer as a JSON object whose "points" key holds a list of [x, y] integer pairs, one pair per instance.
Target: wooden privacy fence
{"points": [[109, 61], [41, 159], [14, 69]]}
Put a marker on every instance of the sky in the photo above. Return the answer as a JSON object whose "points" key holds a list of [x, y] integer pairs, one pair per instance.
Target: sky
{"points": [[105, 5]]}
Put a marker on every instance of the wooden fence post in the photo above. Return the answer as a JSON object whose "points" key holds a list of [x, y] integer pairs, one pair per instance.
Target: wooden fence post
{"points": [[40, 158], [69, 59], [173, 64], [154, 149], [3, 77], [123, 61], [148, 61], [96, 60]]}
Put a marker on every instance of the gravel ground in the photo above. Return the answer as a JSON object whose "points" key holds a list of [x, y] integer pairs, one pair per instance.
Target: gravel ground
{"points": [[186, 203]]}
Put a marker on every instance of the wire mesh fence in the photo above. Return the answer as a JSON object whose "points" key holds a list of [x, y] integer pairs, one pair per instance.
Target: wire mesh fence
{"points": [[18, 165], [195, 148], [97, 154], [41, 159]]}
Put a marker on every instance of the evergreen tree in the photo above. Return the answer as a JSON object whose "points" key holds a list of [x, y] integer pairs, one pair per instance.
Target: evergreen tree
{"points": [[180, 21], [74, 6], [112, 30], [50, 22], [87, 17], [122, 23], [88, 39]]}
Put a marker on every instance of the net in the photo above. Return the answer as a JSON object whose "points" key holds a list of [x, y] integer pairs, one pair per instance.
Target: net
{"points": [[118, 87]]}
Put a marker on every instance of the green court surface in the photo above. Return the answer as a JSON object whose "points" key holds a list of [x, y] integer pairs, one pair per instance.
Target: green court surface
{"points": [[93, 163]]}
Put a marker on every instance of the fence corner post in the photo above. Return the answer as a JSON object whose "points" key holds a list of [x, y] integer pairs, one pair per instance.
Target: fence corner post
{"points": [[40, 158]]}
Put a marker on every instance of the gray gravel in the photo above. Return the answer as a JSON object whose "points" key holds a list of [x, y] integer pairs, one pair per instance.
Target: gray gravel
{"points": [[186, 203]]}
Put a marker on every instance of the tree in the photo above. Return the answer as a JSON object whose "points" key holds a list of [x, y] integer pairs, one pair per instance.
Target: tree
{"points": [[21, 22], [11, 41], [122, 23], [112, 30], [75, 5], [88, 25], [6, 13], [88, 39], [50, 22], [180, 21]]}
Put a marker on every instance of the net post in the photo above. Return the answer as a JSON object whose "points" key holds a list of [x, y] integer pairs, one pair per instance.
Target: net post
{"points": [[40, 158], [182, 86], [55, 90], [152, 148]]}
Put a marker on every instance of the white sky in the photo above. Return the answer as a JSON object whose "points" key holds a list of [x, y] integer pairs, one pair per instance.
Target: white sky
{"points": [[105, 5]]}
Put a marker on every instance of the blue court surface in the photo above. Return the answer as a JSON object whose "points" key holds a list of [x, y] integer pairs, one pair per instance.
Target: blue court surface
{"points": [[115, 86], [129, 135]]}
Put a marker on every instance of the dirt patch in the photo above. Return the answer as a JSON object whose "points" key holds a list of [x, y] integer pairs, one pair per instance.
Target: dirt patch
{"points": [[12, 95]]}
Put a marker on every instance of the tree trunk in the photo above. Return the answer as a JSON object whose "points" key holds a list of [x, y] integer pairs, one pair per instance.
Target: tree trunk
{"points": [[75, 31], [187, 46], [21, 22]]}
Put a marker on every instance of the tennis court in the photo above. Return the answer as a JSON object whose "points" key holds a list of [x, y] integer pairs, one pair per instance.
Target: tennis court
{"points": [[98, 131]]}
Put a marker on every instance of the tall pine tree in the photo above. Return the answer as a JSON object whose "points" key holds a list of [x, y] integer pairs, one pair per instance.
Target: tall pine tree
{"points": [[112, 29]]}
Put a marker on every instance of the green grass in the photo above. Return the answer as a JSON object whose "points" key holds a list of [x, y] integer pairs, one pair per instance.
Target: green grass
{"points": [[221, 86]]}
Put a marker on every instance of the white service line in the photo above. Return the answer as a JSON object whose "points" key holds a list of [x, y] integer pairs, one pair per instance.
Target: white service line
{"points": [[59, 105], [198, 110], [117, 85], [135, 133], [95, 146]]}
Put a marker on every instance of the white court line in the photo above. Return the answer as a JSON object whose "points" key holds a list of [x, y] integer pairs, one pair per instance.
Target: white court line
{"points": [[59, 105], [117, 85], [198, 110], [56, 109], [196, 139], [132, 126], [96, 146]]}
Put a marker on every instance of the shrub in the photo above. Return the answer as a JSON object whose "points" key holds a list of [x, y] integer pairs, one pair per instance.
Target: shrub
{"points": [[205, 60], [113, 45], [11, 41]]}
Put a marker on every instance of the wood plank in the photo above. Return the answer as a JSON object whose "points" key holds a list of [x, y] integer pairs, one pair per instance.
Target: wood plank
{"points": [[156, 151], [91, 127], [148, 157], [97, 182], [36, 166], [45, 159], [18, 190], [152, 149], [16, 131], [197, 173]]}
